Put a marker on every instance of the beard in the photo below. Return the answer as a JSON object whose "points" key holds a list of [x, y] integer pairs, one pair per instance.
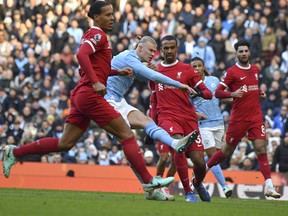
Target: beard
{"points": [[246, 61]]}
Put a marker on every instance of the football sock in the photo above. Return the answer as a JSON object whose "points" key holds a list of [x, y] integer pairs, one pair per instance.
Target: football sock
{"points": [[216, 158], [41, 146], [217, 172], [268, 183], [264, 166], [159, 134], [135, 158], [199, 174], [182, 169]]}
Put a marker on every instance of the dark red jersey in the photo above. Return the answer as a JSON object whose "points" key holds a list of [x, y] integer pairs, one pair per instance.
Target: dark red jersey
{"points": [[248, 107]]}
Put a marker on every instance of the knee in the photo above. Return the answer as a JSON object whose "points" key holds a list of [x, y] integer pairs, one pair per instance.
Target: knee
{"points": [[126, 135], [164, 158], [65, 146]]}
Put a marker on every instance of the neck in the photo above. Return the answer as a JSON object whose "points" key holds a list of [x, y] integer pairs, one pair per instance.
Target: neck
{"points": [[244, 64]]}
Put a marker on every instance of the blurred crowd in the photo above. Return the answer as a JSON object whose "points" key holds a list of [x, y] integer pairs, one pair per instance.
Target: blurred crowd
{"points": [[38, 67]]}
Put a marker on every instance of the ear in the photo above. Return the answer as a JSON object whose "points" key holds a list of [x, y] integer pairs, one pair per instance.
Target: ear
{"points": [[140, 47], [96, 17]]}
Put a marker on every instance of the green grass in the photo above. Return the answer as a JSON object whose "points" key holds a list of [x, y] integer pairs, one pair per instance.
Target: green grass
{"points": [[22, 202]]}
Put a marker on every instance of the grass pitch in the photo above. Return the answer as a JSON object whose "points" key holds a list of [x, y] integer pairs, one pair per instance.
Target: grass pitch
{"points": [[26, 202]]}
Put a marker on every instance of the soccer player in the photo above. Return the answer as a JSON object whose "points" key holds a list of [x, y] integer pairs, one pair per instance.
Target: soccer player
{"points": [[163, 150], [246, 115], [210, 120], [177, 115], [88, 103], [118, 86]]}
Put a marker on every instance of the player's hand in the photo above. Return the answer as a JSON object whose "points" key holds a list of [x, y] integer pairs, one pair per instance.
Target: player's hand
{"points": [[127, 71], [262, 95], [238, 93], [152, 67], [201, 116], [184, 87], [199, 92], [99, 88]]}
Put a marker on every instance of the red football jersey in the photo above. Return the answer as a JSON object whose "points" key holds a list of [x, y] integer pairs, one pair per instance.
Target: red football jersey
{"points": [[100, 60], [171, 100], [248, 107]]}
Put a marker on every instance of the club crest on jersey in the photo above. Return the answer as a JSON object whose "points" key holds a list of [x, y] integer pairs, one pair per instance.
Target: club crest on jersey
{"points": [[179, 75], [96, 38]]}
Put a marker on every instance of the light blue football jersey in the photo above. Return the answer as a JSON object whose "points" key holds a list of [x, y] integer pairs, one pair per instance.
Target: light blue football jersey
{"points": [[117, 86], [209, 107]]}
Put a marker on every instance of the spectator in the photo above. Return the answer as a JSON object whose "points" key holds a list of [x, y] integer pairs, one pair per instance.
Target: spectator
{"points": [[115, 155], [205, 52], [75, 31], [281, 119], [5, 47], [280, 158], [59, 38], [149, 158]]}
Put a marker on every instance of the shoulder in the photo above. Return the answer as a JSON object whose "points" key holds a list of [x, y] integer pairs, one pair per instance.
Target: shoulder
{"points": [[95, 35], [185, 66], [213, 78], [255, 67]]}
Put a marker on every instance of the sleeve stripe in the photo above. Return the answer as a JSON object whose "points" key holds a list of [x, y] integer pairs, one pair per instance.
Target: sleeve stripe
{"points": [[89, 42], [222, 83], [198, 83]]}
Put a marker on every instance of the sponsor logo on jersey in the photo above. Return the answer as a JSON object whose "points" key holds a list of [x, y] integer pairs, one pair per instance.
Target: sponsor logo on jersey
{"points": [[160, 87], [241, 78], [244, 88]]}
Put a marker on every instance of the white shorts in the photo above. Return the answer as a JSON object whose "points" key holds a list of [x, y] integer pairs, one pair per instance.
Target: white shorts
{"points": [[123, 108], [212, 137]]}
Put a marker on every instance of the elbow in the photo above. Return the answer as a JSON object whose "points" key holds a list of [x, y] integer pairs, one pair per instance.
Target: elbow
{"points": [[210, 95]]}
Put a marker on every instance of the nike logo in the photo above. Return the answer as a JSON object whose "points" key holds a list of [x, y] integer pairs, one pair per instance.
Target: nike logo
{"points": [[241, 78], [199, 145]]}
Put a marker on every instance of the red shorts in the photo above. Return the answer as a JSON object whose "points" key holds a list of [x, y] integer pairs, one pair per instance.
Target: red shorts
{"points": [[237, 130], [88, 105], [182, 126], [163, 148]]}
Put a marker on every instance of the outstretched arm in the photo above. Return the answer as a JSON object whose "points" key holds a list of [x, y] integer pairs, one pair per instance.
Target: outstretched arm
{"points": [[148, 73]]}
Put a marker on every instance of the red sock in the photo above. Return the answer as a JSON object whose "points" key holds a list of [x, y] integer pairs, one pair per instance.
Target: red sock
{"points": [[135, 158], [41, 146], [264, 166], [217, 158], [182, 169], [199, 176]]}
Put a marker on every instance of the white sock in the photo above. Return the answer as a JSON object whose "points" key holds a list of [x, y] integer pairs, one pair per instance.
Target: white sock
{"points": [[174, 143], [268, 183]]}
